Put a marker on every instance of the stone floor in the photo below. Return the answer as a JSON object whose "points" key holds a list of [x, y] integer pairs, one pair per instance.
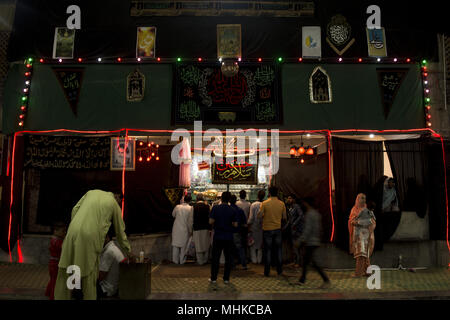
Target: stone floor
{"points": [[190, 281]]}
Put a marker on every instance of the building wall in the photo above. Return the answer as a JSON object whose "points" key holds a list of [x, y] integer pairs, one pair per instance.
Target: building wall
{"points": [[439, 76], [7, 10], [414, 253], [356, 99]]}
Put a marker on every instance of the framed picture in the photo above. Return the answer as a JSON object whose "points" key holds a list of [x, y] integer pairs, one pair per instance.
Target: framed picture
{"points": [[145, 43], [63, 43], [117, 152], [229, 41]]}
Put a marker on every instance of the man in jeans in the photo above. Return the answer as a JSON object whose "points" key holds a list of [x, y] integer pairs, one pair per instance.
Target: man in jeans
{"points": [[240, 234], [223, 218], [272, 212]]}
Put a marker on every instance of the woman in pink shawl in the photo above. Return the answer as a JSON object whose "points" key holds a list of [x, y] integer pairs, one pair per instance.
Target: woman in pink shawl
{"points": [[361, 226]]}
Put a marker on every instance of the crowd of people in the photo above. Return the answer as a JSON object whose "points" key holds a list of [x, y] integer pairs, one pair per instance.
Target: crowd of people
{"points": [[229, 230], [243, 232]]}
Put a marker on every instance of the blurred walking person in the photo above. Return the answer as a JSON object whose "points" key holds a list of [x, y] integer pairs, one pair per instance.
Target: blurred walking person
{"points": [[310, 239], [296, 224]]}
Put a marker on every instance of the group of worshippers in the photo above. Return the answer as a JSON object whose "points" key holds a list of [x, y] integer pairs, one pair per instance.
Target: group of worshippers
{"points": [[236, 225], [192, 225], [87, 250]]}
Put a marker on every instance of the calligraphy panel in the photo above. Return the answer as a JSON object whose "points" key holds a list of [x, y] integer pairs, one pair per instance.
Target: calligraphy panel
{"points": [[50, 152], [70, 80], [202, 92], [389, 82], [236, 173]]}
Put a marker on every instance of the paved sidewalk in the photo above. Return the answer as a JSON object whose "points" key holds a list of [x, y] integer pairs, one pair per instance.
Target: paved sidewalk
{"points": [[169, 281]]}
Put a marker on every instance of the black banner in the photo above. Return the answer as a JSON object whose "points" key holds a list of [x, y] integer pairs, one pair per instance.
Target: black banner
{"points": [[202, 92], [70, 81], [389, 81], [236, 173], [47, 152]]}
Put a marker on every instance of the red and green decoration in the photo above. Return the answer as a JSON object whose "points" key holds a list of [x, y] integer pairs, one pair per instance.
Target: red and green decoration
{"points": [[203, 91], [427, 94], [24, 100]]}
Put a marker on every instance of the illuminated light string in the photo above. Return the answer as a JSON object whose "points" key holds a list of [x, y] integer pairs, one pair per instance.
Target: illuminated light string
{"points": [[120, 131], [427, 99], [239, 59], [26, 91]]}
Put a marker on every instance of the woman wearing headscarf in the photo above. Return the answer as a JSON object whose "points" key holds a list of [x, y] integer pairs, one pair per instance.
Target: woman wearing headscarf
{"points": [[361, 226]]}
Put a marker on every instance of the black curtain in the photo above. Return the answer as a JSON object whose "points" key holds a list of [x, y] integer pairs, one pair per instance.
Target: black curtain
{"points": [[435, 179], [10, 220], [309, 179], [147, 209], [408, 163], [357, 166]]}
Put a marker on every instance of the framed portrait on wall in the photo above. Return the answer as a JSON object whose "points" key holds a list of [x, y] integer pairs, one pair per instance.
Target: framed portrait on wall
{"points": [[118, 150], [229, 41], [63, 43]]}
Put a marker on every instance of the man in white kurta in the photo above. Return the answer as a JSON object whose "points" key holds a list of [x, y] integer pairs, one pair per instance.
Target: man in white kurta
{"points": [[182, 230], [244, 204]]}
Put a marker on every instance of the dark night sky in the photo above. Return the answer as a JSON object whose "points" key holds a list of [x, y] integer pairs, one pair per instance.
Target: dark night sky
{"points": [[108, 29]]}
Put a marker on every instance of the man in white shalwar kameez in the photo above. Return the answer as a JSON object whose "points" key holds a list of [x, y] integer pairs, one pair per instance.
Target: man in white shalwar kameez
{"points": [[182, 230]]}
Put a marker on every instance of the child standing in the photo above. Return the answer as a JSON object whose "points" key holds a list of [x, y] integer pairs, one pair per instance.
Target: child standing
{"points": [[59, 232]]}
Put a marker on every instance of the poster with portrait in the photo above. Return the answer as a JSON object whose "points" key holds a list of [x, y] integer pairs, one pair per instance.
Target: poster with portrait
{"points": [[146, 41], [118, 150], [229, 41], [63, 43], [376, 42]]}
